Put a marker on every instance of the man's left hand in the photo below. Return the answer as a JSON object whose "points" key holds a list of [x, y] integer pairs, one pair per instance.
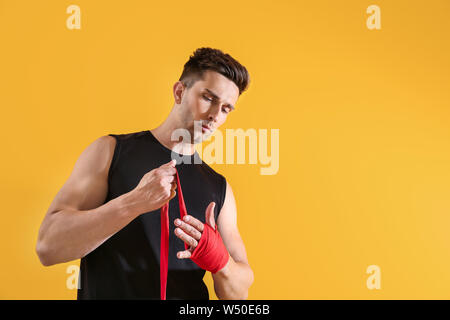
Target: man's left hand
{"points": [[190, 230]]}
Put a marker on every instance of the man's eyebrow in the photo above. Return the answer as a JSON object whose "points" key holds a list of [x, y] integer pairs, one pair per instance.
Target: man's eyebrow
{"points": [[218, 98]]}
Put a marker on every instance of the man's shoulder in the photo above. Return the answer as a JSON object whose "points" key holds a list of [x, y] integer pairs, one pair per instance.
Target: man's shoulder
{"points": [[128, 135]]}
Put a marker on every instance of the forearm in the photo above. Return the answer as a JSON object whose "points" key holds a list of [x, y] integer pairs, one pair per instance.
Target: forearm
{"points": [[71, 234], [233, 281]]}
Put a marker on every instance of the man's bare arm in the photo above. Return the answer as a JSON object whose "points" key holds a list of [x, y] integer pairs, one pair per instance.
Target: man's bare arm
{"points": [[234, 280], [78, 220]]}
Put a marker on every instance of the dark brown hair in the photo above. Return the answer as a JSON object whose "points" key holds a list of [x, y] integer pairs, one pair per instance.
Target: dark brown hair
{"points": [[214, 59]]}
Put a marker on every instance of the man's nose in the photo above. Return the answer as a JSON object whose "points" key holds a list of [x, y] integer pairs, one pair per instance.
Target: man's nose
{"points": [[214, 113]]}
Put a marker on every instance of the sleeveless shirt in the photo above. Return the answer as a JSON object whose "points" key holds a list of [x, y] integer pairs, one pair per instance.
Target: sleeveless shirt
{"points": [[126, 266]]}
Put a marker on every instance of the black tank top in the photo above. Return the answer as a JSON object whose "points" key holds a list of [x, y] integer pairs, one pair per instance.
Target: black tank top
{"points": [[126, 266]]}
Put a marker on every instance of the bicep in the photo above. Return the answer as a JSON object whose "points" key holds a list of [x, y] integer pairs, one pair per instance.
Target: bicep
{"points": [[227, 225], [87, 186]]}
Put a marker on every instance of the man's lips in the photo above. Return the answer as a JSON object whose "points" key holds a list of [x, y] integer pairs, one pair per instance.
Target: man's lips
{"points": [[205, 128]]}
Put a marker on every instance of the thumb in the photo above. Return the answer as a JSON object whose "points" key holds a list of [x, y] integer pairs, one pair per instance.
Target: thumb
{"points": [[209, 215], [171, 163]]}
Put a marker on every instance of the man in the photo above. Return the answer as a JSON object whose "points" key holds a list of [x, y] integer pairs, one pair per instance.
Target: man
{"points": [[108, 213]]}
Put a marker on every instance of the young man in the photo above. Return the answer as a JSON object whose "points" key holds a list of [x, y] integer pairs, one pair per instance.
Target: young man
{"points": [[109, 212]]}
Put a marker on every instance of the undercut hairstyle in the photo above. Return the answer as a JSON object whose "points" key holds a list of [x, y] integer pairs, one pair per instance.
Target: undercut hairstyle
{"points": [[214, 59]]}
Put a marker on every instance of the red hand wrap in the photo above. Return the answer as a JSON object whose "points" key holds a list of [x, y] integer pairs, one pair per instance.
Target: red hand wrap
{"points": [[210, 253]]}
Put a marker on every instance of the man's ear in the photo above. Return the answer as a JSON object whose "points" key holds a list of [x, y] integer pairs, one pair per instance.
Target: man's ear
{"points": [[178, 91]]}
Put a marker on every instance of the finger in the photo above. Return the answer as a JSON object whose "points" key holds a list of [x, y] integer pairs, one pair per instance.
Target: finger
{"points": [[173, 187], [186, 238], [168, 179], [197, 224], [188, 229], [173, 193], [209, 215], [184, 254], [167, 171], [169, 164]]}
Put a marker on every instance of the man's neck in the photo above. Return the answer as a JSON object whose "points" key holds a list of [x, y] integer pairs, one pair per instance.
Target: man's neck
{"points": [[163, 134]]}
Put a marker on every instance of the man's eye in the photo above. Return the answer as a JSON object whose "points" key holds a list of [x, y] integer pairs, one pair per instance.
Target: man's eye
{"points": [[226, 110], [207, 98]]}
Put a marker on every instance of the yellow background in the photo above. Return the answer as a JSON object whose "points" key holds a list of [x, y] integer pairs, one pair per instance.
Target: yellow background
{"points": [[363, 118]]}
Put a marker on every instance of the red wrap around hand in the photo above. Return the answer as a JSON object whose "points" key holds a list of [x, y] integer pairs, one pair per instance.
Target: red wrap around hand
{"points": [[210, 253]]}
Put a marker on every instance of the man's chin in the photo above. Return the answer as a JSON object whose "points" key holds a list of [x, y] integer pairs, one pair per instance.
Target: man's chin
{"points": [[201, 137]]}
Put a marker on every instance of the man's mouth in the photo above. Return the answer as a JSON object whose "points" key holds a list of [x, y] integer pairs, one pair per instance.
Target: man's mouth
{"points": [[205, 129]]}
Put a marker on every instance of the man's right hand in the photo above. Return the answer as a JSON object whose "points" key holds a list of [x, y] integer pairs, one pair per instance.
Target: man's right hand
{"points": [[155, 189], [80, 208]]}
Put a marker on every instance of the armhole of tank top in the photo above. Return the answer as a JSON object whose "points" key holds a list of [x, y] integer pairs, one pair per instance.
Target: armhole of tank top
{"points": [[115, 158], [222, 195]]}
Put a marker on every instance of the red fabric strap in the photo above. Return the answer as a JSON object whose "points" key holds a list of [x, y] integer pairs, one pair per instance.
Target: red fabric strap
{"points": [[210, 253], [164, 253]]}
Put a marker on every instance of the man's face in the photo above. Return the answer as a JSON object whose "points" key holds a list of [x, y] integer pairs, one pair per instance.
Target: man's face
{"points": [[208, 101]]}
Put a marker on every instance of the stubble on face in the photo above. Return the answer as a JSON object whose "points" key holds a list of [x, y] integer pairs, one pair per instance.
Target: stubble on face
{"points": [[189, 123], [191, 104]]}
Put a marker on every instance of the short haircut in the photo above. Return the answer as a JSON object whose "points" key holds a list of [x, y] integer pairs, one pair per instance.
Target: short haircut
{"points": [[214, 59]]}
